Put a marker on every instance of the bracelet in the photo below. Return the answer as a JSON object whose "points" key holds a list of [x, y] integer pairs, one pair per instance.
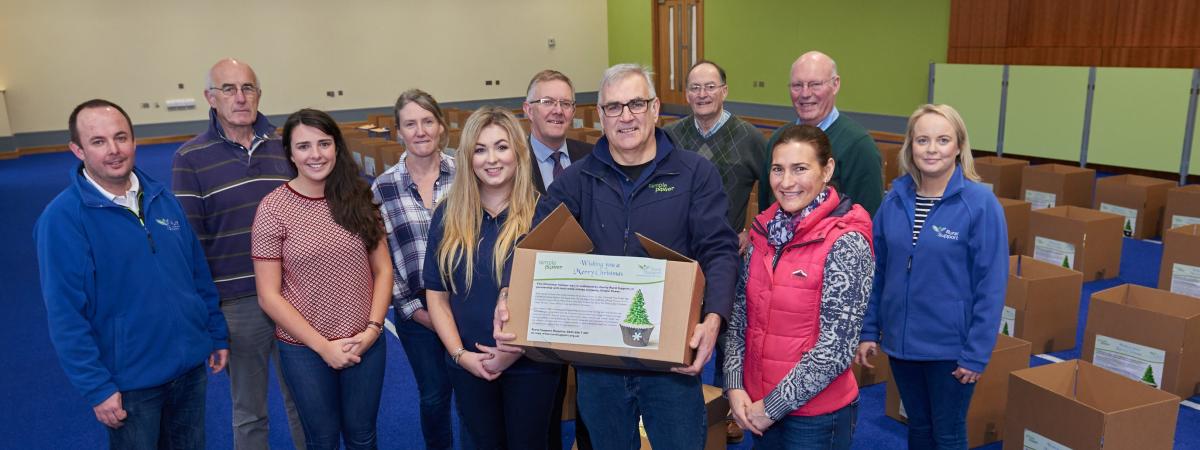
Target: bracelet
{"points": [[458, 354], [376, 324]]}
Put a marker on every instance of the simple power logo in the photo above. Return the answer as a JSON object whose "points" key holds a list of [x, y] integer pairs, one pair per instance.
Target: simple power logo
{"points": [[945, 233]]}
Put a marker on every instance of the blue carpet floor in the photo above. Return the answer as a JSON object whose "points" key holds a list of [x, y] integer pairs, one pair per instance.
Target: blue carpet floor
{"points": [[40, 409]]}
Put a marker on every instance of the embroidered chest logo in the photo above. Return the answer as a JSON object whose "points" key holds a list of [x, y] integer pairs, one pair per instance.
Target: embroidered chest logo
{"points": [[661, 187], [945, 233], [172, 225]]}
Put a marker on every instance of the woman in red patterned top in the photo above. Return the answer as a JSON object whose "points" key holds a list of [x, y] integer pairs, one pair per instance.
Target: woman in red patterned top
{"points": [[325, 277]]}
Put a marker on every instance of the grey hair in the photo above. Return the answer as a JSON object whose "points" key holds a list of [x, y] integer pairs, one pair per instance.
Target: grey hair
{"points": [[621, 71]]}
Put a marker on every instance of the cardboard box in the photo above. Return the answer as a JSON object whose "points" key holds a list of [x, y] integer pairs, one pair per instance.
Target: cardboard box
{"points": [[1180, 270], [716, 407], [387, 155], [1050, 185], [1077, 405], [1149, 335], [889, 154], [1016, 216], [1041, 304], [1183, 207], [582, 114], [1139, 199], [1003, 174], [882, 373], [1077, 238], [679, 311], [985, 416]]}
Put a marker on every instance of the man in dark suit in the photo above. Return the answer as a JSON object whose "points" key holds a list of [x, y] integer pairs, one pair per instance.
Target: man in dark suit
{"points": [[550, 107]]}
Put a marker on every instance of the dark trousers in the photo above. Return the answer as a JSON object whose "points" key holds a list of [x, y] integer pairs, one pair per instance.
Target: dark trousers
{"points": [[831, 431], [512, 412], [935, 401], [336, 404], [427, 356], [170, 416]]}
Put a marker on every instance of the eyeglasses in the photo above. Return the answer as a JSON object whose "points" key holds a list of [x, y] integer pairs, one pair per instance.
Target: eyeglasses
{"points": [[229, 90], [708, 88], [548, 102], [636, 106], [812, 85]]}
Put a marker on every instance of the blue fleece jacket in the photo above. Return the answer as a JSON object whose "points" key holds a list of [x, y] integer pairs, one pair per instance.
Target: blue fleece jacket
{"points": [[939, 300], [129, 306], [678, 201]]}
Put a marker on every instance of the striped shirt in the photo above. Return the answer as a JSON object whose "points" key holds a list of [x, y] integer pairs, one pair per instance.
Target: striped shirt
{"points": [[920, 212], [407, 223], [220, 183]]}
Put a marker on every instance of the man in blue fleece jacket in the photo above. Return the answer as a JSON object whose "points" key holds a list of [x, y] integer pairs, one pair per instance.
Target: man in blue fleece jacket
{"points": [[131, 305]]}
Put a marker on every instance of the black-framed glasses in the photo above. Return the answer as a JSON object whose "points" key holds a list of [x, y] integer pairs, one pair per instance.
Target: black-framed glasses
{"points": [[548, 102], [229, 90], [708, 88], [811, 85], [636, 106]]}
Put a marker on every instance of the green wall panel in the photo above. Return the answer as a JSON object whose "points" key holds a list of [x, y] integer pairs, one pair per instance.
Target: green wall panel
{"points": [[1045, 111], [1138, 117], [883, 48], [630, 33], [973, 90], [1194, 164]]}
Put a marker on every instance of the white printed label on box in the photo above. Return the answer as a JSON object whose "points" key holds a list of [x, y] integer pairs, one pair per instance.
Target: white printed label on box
{"points": [[1054, 252], [990, 186], [1130, 215], [1185, 279], [1135, 361], [1008, 321], [1039, 199], [578, 122], [1034, 441], [1179, 220], [610, 301], [902, 412]]}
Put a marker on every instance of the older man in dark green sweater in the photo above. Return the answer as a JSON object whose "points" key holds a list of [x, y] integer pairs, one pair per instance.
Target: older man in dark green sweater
{"points": [[814, 87]]}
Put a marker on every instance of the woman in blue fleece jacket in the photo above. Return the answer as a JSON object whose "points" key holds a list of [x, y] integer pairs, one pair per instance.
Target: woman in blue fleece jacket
{"points": [[941, 270]]}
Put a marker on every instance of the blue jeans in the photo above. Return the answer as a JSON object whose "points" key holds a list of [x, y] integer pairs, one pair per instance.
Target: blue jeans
{"points": [[671, 406], [827, 431], [170, 416], [335, 403], [511, 412], [427, 357], [935, 401]]}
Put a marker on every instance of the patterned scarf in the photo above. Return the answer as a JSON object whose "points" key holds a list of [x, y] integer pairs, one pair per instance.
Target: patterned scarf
{"points": [[782, 228]]}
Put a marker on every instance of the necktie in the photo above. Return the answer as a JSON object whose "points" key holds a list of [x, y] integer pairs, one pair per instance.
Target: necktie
{"points": [[558, 167]]}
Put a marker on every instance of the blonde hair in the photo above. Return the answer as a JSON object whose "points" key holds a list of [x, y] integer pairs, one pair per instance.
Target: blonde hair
{"points": [[960, 133], [463, 206]]}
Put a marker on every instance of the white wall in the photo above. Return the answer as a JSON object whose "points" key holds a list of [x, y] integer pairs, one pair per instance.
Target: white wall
{"points": [[5, 129], [55, 54]]}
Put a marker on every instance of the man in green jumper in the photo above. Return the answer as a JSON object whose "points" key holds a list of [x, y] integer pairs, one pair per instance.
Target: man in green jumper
{"points": [[814, 87]]}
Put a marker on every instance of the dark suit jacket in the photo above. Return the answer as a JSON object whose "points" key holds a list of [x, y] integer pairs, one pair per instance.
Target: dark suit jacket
{"points": [[576, 150]]}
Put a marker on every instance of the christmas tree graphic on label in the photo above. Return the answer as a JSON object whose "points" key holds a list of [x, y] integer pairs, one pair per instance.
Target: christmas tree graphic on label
{"points": [[636, 328], [610, 301], [1132, 360], [1129, 214], [1008, 321], [1054, 252]]}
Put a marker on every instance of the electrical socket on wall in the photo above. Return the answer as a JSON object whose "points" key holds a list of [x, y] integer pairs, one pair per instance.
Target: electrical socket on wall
{"points": [[487, 82]]}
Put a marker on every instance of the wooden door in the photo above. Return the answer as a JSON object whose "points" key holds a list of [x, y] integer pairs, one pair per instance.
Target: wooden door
{"points": [[678, 43]]}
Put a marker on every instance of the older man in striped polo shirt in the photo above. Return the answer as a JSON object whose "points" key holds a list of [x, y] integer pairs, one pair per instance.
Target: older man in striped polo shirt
{"points": [[220, 176]]}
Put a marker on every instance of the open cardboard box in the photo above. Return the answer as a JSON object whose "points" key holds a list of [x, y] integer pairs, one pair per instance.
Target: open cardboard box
{"points": [[1041, 304], [1016, 217], [1002, 174], [1077, 405], [1139, 199], [1180, 270], [1077, 238], [1050, 185], [680, 309], [1149, 335], [1183, 207]]}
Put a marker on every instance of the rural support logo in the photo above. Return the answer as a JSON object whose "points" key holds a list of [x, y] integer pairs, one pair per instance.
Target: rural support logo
{"points": [[945, 233], [172, 225], [551, 265], [662, 187]]}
